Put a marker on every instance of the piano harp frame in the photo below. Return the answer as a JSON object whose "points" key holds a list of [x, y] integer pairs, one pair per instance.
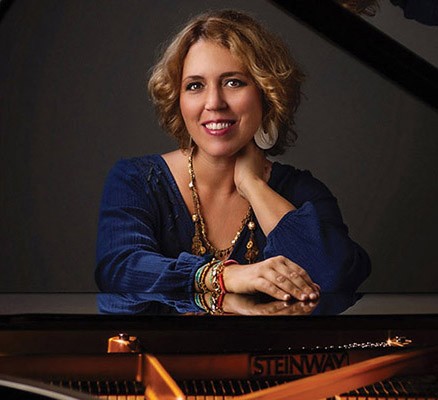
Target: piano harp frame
{"points": [[42, 347], [159, 374]]}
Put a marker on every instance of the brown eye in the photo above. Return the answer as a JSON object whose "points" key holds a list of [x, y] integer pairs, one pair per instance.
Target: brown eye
{"points": [[193, 86], [234, 83]]}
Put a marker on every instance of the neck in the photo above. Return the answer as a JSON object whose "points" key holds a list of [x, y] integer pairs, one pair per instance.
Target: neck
{"points": [[213, 180], [214, 173]]}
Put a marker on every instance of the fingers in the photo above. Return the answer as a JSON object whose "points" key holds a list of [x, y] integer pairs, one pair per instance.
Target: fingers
{"points": [[283, 279]]}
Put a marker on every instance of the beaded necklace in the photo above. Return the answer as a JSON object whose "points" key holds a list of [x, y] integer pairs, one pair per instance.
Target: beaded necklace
{"points": [[200, 242]]}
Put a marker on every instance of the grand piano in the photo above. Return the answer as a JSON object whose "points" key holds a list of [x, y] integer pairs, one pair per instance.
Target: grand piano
{"points": [[347, 346]]}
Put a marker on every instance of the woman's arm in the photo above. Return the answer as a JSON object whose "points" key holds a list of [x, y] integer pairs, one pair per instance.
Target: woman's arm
{"points": [[133, 224], [251, 175], [302, 222], [315, 238]]}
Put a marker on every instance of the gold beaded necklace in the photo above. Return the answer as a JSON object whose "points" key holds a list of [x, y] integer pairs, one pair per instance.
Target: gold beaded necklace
{"points": [[200, 242]]}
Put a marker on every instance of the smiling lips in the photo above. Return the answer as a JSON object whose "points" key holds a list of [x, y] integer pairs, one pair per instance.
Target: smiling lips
{"points": [[218, 128]]}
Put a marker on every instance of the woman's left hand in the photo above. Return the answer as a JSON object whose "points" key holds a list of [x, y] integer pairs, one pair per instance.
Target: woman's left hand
{"points": [[251, 175]]}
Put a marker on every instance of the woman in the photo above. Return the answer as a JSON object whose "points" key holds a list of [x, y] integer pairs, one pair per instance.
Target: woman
{"points": [[217, 215]]}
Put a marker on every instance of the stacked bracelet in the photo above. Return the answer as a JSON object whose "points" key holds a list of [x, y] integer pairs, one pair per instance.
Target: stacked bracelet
{"points": [[200, 278], [216, 277], [201, 274]]}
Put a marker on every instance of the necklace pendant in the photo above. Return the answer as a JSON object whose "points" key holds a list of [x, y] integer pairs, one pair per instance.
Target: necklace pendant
{"points": [[251, 255], [197, 245], [198, 248]]}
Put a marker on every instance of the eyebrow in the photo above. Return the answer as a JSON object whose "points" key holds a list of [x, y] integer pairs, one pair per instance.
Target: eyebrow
{"points": [[221, 76]]}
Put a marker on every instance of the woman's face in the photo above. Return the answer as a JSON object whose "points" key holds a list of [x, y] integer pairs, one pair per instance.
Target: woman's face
{"points": [[219, 101]]}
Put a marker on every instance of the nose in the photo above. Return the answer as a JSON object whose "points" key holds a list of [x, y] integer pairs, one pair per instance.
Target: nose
{"points": [[215, 99]]}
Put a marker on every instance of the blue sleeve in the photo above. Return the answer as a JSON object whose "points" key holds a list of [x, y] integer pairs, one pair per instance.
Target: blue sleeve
{"points": [[130, 229], [315, 237]]}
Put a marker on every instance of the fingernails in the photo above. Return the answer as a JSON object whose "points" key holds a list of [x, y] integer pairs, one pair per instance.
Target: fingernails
{"points": [[313, 296], [287, 297], [308, 296]]}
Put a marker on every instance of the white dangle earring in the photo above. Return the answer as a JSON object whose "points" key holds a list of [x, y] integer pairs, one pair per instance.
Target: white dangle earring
{"points": [[266, 139]]}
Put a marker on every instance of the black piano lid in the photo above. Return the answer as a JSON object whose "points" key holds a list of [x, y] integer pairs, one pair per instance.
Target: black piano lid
{"points": [[369, 45]]}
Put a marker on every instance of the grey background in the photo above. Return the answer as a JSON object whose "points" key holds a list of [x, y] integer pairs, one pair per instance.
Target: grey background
{"points": [[73, 101]]}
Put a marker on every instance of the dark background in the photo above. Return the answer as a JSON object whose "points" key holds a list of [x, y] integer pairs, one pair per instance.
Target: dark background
{"points": [[73, 101]]}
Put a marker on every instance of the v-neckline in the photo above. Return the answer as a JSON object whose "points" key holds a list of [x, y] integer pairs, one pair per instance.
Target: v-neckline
{"points": [[175, 187], [183, 204]]}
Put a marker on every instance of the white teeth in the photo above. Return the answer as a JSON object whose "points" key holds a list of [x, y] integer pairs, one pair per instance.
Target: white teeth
{"points": [[215, 126]]}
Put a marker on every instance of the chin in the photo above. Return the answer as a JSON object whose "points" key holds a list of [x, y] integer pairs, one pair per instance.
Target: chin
{"points": [[221, 150]]}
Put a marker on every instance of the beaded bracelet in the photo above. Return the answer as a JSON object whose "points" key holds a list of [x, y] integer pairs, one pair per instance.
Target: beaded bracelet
{"points": [[216, 273], [212, 269], [198, 281], [201, 275]]}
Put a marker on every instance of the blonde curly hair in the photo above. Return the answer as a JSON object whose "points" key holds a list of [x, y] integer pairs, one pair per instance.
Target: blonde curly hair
{"points": [[265, 56]]}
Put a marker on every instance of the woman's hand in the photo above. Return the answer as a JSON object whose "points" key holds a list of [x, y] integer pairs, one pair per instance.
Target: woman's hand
{"points": [[251, 166], [251, 174], [278, 277]]}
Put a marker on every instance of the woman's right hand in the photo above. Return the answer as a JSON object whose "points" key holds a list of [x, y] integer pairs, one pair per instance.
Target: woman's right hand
{"points": [[277, 277]]}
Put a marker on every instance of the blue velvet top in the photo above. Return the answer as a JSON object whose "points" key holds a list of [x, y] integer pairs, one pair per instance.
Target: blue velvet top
{"points": [[145, 232]]}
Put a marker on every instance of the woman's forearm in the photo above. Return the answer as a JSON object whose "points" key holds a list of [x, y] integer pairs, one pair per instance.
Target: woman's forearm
{"points": [[269, 207]]}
